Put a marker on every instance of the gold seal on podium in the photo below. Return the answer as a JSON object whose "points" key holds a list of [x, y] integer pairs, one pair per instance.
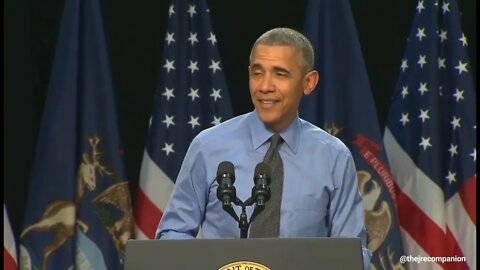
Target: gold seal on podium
{"points": [[244, 265]]}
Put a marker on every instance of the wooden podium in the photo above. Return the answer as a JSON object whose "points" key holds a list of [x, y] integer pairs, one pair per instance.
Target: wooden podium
{"points": [[244, 254]]}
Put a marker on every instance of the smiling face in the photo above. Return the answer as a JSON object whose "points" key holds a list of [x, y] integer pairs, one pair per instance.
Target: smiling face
{"points": [[277, 83]]}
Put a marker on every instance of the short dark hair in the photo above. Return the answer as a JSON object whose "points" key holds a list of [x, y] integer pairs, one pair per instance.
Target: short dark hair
{"points": [[288, 37]]}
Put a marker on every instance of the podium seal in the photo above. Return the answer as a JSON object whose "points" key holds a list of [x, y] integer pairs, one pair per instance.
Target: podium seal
{"points": [[244, 265]]}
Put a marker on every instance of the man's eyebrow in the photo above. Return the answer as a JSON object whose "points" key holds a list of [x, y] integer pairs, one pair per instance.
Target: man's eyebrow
{"points": [[257, 66], [281, 69]]}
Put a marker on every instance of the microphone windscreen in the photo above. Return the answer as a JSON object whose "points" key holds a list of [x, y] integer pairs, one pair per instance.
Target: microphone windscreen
{"points": [[226, 167], [263, 168]]}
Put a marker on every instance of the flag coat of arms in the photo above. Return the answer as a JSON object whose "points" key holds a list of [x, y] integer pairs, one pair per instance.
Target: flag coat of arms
{"points": [[191, 95], [430, 140], [343, 105], [78, 212]]}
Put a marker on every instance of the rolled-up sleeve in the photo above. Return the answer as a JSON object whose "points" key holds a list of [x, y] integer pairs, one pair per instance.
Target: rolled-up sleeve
{"points": [[184, 213], [346, 211]]}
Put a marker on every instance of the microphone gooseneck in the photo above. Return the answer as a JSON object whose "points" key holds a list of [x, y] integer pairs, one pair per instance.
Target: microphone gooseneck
{"points": [[226, 193]]}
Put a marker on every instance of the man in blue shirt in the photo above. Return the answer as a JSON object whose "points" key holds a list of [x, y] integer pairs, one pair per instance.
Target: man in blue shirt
{"points": [[320, 196]]}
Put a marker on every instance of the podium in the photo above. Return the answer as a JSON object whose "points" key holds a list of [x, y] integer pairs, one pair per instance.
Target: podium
{"points": [[241, 254]]}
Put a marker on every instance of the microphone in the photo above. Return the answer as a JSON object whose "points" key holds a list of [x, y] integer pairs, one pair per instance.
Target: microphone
{"points": [[226, 177], [261, 191]]}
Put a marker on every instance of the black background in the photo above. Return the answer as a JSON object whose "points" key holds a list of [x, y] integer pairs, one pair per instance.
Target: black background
{"points": [[135, 33]]}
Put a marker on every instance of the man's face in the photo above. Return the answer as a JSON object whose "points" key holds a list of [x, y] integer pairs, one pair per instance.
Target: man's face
{"points": [[277, 84]]}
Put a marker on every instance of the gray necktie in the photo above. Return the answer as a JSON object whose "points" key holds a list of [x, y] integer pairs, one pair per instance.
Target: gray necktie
{"points": [[267, 223]]}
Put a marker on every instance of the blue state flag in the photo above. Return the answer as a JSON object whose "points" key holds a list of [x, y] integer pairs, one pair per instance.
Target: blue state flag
{"points": [[343, 105], [192, 95], [78, 212]]}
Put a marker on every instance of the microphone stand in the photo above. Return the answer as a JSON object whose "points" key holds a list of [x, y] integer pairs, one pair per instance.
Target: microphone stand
{"points": [[229, 209], [227, 195], [242, 223]]}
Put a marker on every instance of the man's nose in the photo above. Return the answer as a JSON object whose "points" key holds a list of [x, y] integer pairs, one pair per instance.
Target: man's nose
{"points": [[266, 83]]}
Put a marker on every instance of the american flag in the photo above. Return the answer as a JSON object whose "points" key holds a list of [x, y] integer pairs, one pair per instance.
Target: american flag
{"points": [[430, 139], [192, 95], [9, 246]]}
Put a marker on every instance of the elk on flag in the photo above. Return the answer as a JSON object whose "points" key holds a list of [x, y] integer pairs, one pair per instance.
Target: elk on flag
{"points": [[79, 213]]}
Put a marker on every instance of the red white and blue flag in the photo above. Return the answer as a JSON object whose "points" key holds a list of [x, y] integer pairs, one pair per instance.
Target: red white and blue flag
{"points": [[9, 246], [430, 139], [191, 95]]}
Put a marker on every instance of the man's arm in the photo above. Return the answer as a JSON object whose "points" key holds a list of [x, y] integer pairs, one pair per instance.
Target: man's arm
{"points": [[346, 209], [184, 213]]}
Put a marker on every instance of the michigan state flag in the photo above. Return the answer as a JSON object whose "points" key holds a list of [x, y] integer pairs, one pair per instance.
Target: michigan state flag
{"points": [[78, 212], [343, 105]]}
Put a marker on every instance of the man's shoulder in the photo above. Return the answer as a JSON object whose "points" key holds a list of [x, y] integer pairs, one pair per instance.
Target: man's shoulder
{"points": [[223, 130], [314, 134]]}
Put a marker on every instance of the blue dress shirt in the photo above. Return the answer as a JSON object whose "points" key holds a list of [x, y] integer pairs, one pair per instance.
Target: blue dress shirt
{"points": [[320, 193]]}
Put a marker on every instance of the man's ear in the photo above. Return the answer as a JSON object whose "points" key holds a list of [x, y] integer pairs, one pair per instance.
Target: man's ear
{"points": [[311, 80]]}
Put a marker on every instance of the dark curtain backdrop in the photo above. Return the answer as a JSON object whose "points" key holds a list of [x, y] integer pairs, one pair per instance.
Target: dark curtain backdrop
{"points": [[135, 32]]}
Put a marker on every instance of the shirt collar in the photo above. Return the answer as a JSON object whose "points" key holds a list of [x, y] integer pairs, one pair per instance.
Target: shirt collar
{"points": [[260, 133]]}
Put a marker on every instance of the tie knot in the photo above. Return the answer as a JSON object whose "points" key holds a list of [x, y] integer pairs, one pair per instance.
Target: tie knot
{"points": [[275, 140]]}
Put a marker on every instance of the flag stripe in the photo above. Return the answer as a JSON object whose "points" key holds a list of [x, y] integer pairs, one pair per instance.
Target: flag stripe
{"points": [[140, 235], [152, 197], [453, 249], [146, 209], [415, 183], [461, 231], [158, 188], [416, 222], [468, 195], [9, 247], [428, 233], [414, 249], [9, 262]]}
